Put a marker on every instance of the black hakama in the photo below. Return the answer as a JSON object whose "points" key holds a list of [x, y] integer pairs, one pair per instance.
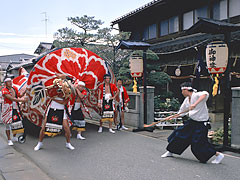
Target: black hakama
{"points": [[192, 133], [77, 117], [54, 122]]}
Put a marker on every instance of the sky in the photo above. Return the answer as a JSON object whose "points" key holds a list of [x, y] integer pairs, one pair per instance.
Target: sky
{"points": [[22, 22]]}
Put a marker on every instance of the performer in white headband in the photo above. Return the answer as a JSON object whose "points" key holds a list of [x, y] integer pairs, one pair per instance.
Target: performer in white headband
{"points": [[195, 130]]}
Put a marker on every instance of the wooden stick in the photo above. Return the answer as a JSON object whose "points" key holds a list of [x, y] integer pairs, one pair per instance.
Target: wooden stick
{"points": [[172, 116]]}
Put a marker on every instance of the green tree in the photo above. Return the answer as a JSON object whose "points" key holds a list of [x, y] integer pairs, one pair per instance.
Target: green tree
{"points": [[70, 37], [90, 36]]}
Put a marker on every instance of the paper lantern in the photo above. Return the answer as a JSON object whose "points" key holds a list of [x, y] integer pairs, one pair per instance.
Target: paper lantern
{"points": [[136, 66], [217, 57]]}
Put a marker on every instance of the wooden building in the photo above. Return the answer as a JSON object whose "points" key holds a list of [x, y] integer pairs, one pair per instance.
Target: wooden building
{"points": [[165, 23]]}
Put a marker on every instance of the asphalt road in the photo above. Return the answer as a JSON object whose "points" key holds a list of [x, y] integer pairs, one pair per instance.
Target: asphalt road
{"points": [[121, 156]]}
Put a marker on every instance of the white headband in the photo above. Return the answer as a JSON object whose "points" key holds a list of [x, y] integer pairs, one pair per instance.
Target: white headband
{"points": [[188, 88], [7, 79], [81, 83], [185, 87]]}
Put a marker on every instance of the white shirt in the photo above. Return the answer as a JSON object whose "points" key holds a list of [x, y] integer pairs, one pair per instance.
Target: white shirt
{"points": [[56, 105], [200, 112]]}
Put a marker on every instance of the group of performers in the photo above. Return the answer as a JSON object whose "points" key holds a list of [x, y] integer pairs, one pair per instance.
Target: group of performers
{"points": [[111, 99], [107, 93], [59, 115]]}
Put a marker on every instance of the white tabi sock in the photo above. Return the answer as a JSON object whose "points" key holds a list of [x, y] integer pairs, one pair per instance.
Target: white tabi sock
{"points": [[79, 136], [10, 143], [69, 146], [100, 129], [38, 146], [218, 159], [167, 154], [111, 131], [14, 139]]}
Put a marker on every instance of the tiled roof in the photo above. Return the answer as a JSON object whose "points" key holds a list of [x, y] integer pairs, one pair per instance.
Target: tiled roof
{"points": [[152, 3], [15, 57], [206, 25], [190, 41], [43, 47], [133, 45]]}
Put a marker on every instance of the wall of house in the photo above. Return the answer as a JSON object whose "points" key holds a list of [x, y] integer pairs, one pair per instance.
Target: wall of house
{"points": [[174, 18]]}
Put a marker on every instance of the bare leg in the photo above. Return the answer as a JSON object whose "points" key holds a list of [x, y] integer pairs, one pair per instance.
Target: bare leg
{"points": [[115, 117], [67, 134], [110, 125], [101, 123], [67, 130], [8, 134], [42, 134], [122, 117], [100, 126]]}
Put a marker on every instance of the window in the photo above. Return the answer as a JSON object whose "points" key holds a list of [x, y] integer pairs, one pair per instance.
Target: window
{"points": [[234, 8], [145, 33], [201, 12], [152, 31], [173, 24], [187, 20], [169, 26], [216, 11], [164, 28], [220, 10]]}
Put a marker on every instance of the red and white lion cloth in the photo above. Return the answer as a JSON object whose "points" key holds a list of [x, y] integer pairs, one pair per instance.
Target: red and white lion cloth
{"points": [[77, 63]]}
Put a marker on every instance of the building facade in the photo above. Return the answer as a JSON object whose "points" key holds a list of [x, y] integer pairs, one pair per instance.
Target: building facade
{"points": [[12, 61], [165, 24]]}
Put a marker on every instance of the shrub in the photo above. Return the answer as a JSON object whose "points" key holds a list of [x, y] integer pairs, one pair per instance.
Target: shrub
{"points": [[166, 104]]}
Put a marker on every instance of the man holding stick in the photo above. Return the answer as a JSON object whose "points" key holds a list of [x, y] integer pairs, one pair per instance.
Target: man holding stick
{"points": [[194, 131]]}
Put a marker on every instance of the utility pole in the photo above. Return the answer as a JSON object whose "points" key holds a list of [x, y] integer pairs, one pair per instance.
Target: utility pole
{"points": [[45, 19]]}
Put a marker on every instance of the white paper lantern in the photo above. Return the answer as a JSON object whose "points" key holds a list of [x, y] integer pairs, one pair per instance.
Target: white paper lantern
{"points": [[136, 66], [217, 57]]}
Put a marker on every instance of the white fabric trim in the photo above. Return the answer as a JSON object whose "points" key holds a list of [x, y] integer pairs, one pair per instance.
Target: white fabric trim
{"points": [[81, 83], [77, 106], [120, 93], [56, 105]]}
